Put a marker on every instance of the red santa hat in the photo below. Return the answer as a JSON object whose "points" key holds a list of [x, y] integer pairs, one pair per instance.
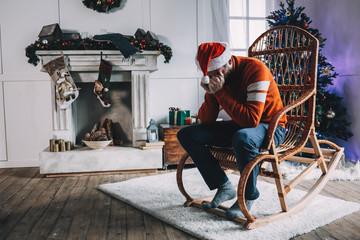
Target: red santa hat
{"points": [[212, 56]]}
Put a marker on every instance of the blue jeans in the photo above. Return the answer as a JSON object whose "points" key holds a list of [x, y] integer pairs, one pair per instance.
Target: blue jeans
{"points": [[246, 143]]}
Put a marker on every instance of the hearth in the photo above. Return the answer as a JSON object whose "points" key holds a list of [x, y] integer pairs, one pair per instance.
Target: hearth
{"points": [[129, 111]]}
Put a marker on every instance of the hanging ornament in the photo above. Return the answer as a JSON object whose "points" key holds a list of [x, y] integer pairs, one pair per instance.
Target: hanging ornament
{"points": [[309, 80], [305, 25], [318, 124], [325, 71], [330, 114], [288, 13]]}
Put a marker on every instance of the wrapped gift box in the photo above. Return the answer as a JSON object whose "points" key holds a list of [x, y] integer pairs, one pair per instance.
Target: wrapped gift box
{"points": [[178, 117]]}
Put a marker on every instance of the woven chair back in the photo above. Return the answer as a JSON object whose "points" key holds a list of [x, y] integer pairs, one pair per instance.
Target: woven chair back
{"points": [[291, 55]]}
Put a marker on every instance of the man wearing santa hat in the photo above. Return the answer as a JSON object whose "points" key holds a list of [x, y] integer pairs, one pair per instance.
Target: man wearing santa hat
{"points": [[244, 87]]}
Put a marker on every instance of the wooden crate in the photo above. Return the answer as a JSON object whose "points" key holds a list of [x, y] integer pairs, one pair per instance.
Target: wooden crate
{"points": [[172, 150]]}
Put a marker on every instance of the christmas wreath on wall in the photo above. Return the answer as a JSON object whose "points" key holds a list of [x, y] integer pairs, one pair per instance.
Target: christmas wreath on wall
{"points": [[101, 5]]}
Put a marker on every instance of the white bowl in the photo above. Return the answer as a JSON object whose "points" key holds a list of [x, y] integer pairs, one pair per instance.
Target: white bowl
{"points": [[97, 144]]}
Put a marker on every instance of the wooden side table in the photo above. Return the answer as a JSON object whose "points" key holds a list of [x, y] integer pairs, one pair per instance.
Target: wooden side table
{"points": [[172, 150]]}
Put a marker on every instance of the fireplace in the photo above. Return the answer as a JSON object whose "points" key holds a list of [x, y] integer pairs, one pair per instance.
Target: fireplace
{"points": [[130, 109]]}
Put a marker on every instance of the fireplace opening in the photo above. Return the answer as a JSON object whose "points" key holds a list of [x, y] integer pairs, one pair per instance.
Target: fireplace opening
{"points": [[87, 111]]}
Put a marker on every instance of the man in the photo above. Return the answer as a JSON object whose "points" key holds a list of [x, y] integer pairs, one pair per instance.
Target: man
{"points": [[245, 89]]}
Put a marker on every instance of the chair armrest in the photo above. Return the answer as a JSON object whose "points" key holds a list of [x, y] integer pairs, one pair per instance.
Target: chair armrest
{"points": [[276, 118]]}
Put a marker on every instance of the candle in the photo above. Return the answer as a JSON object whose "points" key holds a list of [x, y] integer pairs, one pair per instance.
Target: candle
{"points": [[153, 136]]}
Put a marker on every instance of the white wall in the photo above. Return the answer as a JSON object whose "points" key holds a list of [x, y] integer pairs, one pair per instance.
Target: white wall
{"points": [[25, 109]]}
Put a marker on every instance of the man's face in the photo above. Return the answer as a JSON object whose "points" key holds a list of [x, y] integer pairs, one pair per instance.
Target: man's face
{"points": [[224, 70]]}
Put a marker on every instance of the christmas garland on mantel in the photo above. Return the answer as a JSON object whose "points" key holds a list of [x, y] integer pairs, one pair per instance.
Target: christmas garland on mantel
{"points": [[90, 44]]}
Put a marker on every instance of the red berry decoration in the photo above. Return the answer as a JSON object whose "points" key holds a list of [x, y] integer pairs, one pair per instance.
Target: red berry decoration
{"points": [[305, 25]]}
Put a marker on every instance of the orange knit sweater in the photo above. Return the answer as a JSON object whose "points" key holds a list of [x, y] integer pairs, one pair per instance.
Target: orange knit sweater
{"points": [[249, 97]]}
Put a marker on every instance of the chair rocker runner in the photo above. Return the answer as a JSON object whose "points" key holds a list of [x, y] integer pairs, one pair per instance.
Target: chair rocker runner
{"points": [[291, 54]]}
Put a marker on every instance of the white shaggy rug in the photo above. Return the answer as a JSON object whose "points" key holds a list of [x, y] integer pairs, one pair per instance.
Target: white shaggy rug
{"points": [[346, 171], [159, 196]]}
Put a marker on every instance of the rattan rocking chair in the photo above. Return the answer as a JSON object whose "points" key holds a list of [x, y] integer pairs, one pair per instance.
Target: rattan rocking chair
{"points": [[291, 53]]}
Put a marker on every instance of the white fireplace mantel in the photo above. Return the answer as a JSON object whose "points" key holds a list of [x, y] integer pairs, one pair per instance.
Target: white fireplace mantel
{"points": [[89, 60], [139, 64], [117, 158]]}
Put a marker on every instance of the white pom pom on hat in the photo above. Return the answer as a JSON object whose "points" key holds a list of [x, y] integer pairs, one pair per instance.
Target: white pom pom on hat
{"points": [[205, 79], [212, 56]]}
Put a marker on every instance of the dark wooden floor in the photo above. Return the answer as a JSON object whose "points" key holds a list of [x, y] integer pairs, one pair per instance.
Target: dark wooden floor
{"points": [[36, 207]]}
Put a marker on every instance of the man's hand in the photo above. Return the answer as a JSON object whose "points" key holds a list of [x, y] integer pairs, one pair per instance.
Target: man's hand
{"points": [[216, 83]]}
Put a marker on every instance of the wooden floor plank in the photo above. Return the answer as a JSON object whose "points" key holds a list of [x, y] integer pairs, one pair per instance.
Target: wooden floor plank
{"points": [[101, 211], [174, 233], [117, 218], [21, 210], [44, 224], [154, 228], [71, 208], [353, 185], [5, 174], [7, 206], [14, 183], [135, 227], [81, 221], [78, 210], [24, 226]]}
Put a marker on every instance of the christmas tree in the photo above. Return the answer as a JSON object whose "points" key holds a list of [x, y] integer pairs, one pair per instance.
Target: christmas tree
{"points": [[330, 117]]}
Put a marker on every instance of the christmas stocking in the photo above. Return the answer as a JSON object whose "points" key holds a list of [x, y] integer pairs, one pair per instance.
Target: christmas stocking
{"points": [[102, 84], [65, 89]]}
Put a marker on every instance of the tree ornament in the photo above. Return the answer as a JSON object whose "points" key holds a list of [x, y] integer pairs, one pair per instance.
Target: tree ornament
{"points": [[325, 71], [101, 6], [305, 25], [288, 13], [309, 80], [330, 114]]}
